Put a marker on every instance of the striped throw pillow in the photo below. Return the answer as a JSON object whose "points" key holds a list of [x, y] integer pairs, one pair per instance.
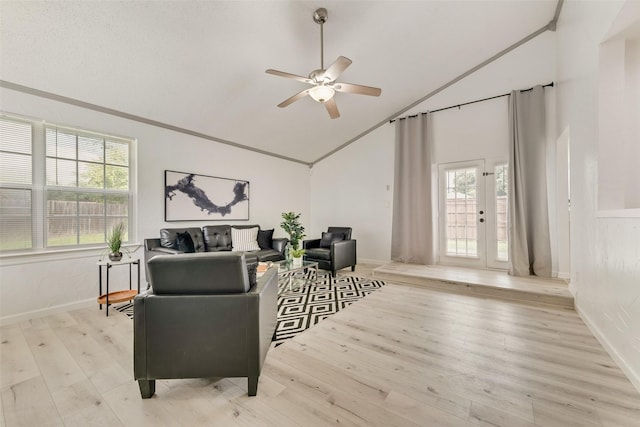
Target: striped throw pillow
{"points": [[244, 239]]}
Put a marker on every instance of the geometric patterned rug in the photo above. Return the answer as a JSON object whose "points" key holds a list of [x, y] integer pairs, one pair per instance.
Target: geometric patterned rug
{"points": [[306, 305], [302, 308]]}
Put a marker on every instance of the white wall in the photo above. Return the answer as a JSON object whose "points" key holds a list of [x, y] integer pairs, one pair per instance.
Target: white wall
{"points": [[39, 284], [605, 250], [354, 188], [350, 187]]}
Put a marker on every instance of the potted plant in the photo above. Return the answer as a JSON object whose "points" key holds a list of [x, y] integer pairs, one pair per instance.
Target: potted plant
{"points": [[114, 241], [291, 225], [297, 257]]}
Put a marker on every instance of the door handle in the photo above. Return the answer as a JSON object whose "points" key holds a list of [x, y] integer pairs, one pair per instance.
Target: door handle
{"points": [[481, 219], [481, 212]]}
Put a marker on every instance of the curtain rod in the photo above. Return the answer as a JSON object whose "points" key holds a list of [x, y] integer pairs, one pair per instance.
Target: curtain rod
{"points": [[467, 103]]}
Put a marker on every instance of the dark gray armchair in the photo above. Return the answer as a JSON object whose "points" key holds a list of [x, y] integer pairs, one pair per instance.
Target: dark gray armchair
{"points": [[202, 319], [334, 251]]}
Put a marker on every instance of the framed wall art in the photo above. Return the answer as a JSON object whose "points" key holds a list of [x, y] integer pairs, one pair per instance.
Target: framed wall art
{"points": [[191, 197]]}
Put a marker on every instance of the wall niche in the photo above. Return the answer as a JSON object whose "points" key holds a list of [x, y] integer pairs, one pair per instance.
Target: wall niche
{"points": [[619, 115]]}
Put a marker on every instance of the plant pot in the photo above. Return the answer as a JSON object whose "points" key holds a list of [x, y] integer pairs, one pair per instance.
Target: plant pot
{"points": [[117, 256], [297, 262]]}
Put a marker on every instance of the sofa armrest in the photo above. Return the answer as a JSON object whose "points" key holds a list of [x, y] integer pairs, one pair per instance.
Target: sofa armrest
{"points": [[165, 251], [343, 254], [139, 336], [263, 312], [311, 244], [279, 244]]}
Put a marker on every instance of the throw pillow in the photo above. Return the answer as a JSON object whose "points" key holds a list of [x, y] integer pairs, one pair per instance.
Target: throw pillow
{"points": [[184, 243], [244, 239], [328, 238], [252, 269], [265, 239]]}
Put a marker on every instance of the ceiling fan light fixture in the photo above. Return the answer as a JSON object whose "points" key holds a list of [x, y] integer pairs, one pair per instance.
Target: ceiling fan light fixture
{"points": [[323, 80], [321, 93]]}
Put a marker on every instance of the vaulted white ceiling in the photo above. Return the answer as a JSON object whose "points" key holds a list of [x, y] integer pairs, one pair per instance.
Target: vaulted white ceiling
{"points": [[200, 65]]}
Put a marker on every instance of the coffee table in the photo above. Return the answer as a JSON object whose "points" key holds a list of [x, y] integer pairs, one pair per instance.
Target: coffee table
{"points": [[285, 267]]}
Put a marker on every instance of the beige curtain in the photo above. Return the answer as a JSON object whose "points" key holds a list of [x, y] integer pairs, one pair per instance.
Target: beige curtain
{"points": [[412, 229], [529, 241]]}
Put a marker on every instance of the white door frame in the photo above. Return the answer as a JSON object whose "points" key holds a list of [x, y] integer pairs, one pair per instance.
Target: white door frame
{"points": [[486, 217], [492, 216], [479, 260]]}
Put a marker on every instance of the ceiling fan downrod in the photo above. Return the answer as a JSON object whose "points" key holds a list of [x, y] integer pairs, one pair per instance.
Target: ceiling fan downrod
{"points": [[320, 16]]}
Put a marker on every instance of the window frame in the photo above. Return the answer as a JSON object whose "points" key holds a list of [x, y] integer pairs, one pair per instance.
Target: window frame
{"points": [[40, 188]]}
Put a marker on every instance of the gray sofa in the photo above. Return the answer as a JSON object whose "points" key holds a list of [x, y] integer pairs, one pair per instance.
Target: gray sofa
{"points": [[203, 319], [212, 238]]}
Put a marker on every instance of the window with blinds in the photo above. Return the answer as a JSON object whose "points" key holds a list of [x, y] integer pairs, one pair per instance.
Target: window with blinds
{"points": [[16, 184], [79, 193], [87, 186]]}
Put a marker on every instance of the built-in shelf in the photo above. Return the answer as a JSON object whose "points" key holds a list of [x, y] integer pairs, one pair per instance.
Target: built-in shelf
{"points": [[619, 213]]}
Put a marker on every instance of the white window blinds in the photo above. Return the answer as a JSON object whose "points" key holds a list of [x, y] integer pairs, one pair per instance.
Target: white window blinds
{"points": [[16, 181]]}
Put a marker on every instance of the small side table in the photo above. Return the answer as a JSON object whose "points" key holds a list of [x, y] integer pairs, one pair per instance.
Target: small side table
{"points": [[118, 296]]}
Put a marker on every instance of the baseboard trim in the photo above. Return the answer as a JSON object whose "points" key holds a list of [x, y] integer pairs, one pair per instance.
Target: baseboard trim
{"points": [[373, 261], [22, 317], [633, 376]]}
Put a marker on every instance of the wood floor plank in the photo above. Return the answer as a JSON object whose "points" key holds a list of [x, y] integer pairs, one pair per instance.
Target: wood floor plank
{"points": [[110, 377], [491, 416], [133, 411], [554, 414], [421, 414], [352, 405], [84, 348], [53, 321], [58, 367], [18, 363], [29, 403], [82, 405]]}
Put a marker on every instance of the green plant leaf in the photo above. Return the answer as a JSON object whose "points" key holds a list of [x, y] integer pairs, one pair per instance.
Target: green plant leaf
{"points": [[291, 225]]}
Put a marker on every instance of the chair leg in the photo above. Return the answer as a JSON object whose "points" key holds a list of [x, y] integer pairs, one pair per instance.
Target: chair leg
{"points": [[147, 388], [253, 385], [333, 274], [353, 268]]}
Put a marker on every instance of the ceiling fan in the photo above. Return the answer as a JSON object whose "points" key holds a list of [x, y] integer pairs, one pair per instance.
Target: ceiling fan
{"points": [[324, 80]]}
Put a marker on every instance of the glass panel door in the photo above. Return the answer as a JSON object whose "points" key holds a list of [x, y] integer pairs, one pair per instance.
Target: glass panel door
{"points": [[473, 212], [496, 177], [461, 237]]}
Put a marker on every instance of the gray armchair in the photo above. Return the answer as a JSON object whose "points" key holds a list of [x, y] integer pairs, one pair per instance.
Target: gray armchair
{"points": [[202, 319], [334, 251]]}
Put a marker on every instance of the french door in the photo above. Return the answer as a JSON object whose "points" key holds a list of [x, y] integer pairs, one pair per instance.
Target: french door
{"points": [[473, 214]]}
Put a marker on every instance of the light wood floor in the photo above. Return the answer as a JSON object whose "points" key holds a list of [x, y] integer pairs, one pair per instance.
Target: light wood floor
{"points": [[402, 356]]}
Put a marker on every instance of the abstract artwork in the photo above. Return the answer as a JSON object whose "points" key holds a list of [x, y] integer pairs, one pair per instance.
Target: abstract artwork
{"points": [[191, 197]]}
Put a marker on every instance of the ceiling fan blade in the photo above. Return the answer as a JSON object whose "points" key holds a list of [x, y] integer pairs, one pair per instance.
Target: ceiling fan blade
{"points": [[289, 76], [294, 98], [359, 89], [337, 68], [332, 108]]}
